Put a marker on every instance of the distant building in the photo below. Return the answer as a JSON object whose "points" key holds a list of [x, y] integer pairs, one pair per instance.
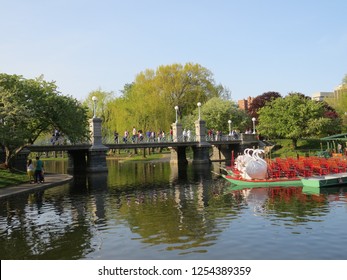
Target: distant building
{"points": [[337, 93], [245, 103], [321, 95]]}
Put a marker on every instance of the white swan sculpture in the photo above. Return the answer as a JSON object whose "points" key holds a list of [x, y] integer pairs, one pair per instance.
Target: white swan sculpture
{"points": [[257, 167], [251, 166]]}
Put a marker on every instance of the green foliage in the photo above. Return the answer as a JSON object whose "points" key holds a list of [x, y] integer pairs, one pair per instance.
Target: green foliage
{"points": [[8, 178], [293, 117], [217, 112], [103, 99], [284, 147], [148, 103], [31, 107]]}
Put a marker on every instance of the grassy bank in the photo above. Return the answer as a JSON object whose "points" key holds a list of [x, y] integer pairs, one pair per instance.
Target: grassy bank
{"points": [[284, 148], [8, 178], [131, 156]]}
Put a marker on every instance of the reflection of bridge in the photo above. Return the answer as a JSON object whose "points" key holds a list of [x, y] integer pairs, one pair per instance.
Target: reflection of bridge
{"points": [[92, 157]]}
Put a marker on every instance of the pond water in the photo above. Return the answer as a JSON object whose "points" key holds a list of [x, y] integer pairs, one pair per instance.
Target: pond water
{"points": [[143, 210]]}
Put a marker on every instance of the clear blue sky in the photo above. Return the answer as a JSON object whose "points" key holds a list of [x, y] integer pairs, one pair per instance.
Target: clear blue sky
{"points": [[250, 46]]}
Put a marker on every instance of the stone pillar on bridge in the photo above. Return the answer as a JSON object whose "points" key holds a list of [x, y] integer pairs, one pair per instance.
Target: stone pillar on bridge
{"points": [[177, 132], [96, 156], [201, 150], [178, 154]]}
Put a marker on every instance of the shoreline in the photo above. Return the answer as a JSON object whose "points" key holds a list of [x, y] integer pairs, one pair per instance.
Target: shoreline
{"points": [[51, 180]]}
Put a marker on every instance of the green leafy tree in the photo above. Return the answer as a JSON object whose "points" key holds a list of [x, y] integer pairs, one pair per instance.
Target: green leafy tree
{"points": [[32, 107], [217, 112], [103, 99], [148, 103], [293, 117], [102, 108]]}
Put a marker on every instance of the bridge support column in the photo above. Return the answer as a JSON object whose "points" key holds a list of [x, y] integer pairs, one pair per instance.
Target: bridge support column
{"points": [[225, 153], [76, 161], [178, 156], [96, 159], [201, 151]]}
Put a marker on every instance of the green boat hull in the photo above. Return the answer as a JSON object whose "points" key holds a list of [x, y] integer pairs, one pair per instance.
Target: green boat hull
{"points": [[332, 180], [266, 183]]}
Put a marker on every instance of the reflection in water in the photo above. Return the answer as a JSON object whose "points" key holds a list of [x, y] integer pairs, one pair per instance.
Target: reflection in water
{"points": [[154, 211]]}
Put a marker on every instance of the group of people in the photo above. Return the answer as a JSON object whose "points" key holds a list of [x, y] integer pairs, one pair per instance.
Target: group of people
{"points": [[35, 173], [56, 137], [214, 135], [139, 136]]}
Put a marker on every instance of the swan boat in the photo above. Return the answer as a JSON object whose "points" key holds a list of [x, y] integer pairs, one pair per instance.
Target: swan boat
{"points": [[250, 170]]}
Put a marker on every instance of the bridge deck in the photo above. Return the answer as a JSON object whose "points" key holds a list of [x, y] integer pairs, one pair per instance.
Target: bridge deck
{"points": [[46, 148]]}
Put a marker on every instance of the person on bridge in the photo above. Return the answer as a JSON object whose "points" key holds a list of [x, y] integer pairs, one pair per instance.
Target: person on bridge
{"points": [[125, 137], [115, 137], [134, 136], [184, 134]]}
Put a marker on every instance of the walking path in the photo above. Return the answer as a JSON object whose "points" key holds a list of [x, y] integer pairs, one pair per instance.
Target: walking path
{"points": [[51, 180]]}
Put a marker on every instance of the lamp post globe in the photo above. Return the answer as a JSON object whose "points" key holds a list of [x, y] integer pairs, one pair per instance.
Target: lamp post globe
{"points": [[199, 105], [253, 120], [176, 109], [95, 99], [229, 122]]}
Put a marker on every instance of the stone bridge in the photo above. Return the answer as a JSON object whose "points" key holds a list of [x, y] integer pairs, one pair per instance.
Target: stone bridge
{"points": [[91, 157]]}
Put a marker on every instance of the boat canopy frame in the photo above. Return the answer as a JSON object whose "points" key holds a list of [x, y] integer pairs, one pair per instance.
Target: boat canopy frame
{"points": [[336, 137]]}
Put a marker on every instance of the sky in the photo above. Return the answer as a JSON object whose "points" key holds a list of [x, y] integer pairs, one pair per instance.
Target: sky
{"points": [[250, 46]]}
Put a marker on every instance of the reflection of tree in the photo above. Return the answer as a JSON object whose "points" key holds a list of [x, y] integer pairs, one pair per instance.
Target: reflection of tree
{"points": [[185, 216], [136, 173], [292, 203], [47, 227], [289, 204]]}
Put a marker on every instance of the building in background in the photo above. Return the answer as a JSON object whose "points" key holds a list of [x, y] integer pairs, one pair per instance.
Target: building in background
{"points": [[245, 103], [321, 95], [336, 94]]}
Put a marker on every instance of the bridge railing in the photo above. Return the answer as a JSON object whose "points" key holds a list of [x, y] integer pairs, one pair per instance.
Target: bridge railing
{"points": [[167, 139]]}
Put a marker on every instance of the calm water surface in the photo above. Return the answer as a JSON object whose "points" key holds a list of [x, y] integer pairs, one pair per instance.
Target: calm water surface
{"points": [[153, 211]]}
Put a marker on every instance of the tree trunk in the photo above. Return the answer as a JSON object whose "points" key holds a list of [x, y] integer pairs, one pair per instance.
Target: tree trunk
{"points": [[8, 157], [295, 143]]}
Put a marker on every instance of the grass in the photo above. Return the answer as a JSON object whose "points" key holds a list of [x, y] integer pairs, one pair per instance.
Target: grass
{"points": [[131, 156], [284, 147], [8, 178]]}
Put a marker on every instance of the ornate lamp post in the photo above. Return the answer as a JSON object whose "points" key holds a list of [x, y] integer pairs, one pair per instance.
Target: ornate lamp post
{"points": [[199, 105], [253, 120], [229, 122], [95, 99], [176, 108]]}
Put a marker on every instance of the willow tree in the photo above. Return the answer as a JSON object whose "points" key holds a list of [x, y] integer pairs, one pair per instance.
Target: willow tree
{"points": [[293, 117], [148, 103], [31, 107], [102, 100]]}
